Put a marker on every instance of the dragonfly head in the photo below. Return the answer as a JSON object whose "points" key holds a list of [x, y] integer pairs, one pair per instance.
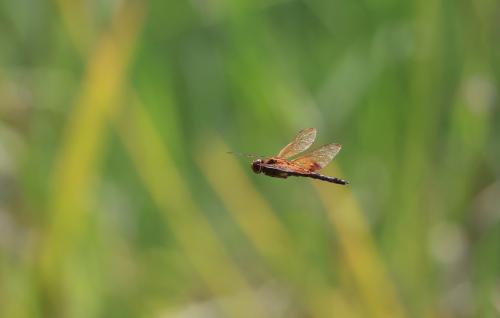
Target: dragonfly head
{"points": [[257, 166]]}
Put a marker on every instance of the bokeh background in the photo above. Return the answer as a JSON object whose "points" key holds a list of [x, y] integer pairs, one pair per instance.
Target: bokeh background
{"points": [[118, 199]]}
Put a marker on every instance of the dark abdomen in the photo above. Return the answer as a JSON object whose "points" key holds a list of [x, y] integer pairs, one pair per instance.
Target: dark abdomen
{"points": [[327, 178]]}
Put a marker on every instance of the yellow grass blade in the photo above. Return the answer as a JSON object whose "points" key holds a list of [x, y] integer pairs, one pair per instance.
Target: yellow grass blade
{"points": [[193, 232], [258, 220], [359, 250], [189, 226], [83, 138], [262, 227]]}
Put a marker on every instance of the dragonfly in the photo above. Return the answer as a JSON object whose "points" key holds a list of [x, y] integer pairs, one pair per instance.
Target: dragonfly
{"points": [[286, 163]]}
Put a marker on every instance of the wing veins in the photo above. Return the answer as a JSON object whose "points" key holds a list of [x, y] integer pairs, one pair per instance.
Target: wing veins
{"points": [[318, 158], [302, 141]]}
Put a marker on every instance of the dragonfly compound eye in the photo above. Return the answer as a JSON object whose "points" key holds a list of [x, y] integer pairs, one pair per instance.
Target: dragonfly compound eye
{"points": [[256, 166]]}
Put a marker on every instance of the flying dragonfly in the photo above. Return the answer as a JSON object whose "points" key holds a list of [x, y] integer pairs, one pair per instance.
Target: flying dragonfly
{"points": [[283, 165]]}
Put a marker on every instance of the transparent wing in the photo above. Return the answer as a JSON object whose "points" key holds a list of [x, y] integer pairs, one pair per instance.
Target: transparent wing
{"points": [[302, 141], [318, 158]]}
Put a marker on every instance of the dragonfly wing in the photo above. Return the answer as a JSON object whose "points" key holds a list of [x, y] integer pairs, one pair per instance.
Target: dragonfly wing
{"points": [[300, 143], [318, 158]]}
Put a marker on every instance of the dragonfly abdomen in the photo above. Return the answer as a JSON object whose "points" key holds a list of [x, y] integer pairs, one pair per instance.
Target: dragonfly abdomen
{"points": [[328, 179]]}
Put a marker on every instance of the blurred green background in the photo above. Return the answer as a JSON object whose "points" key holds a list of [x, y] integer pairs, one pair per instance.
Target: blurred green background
{"points": [[118, 199]]}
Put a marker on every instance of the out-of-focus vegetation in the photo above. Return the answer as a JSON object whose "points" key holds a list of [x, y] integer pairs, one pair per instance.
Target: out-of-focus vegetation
{"points": [[118, 199]]}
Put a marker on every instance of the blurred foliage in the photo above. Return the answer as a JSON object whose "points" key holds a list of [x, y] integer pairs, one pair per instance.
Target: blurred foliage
{"points": [[118, 199]]}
